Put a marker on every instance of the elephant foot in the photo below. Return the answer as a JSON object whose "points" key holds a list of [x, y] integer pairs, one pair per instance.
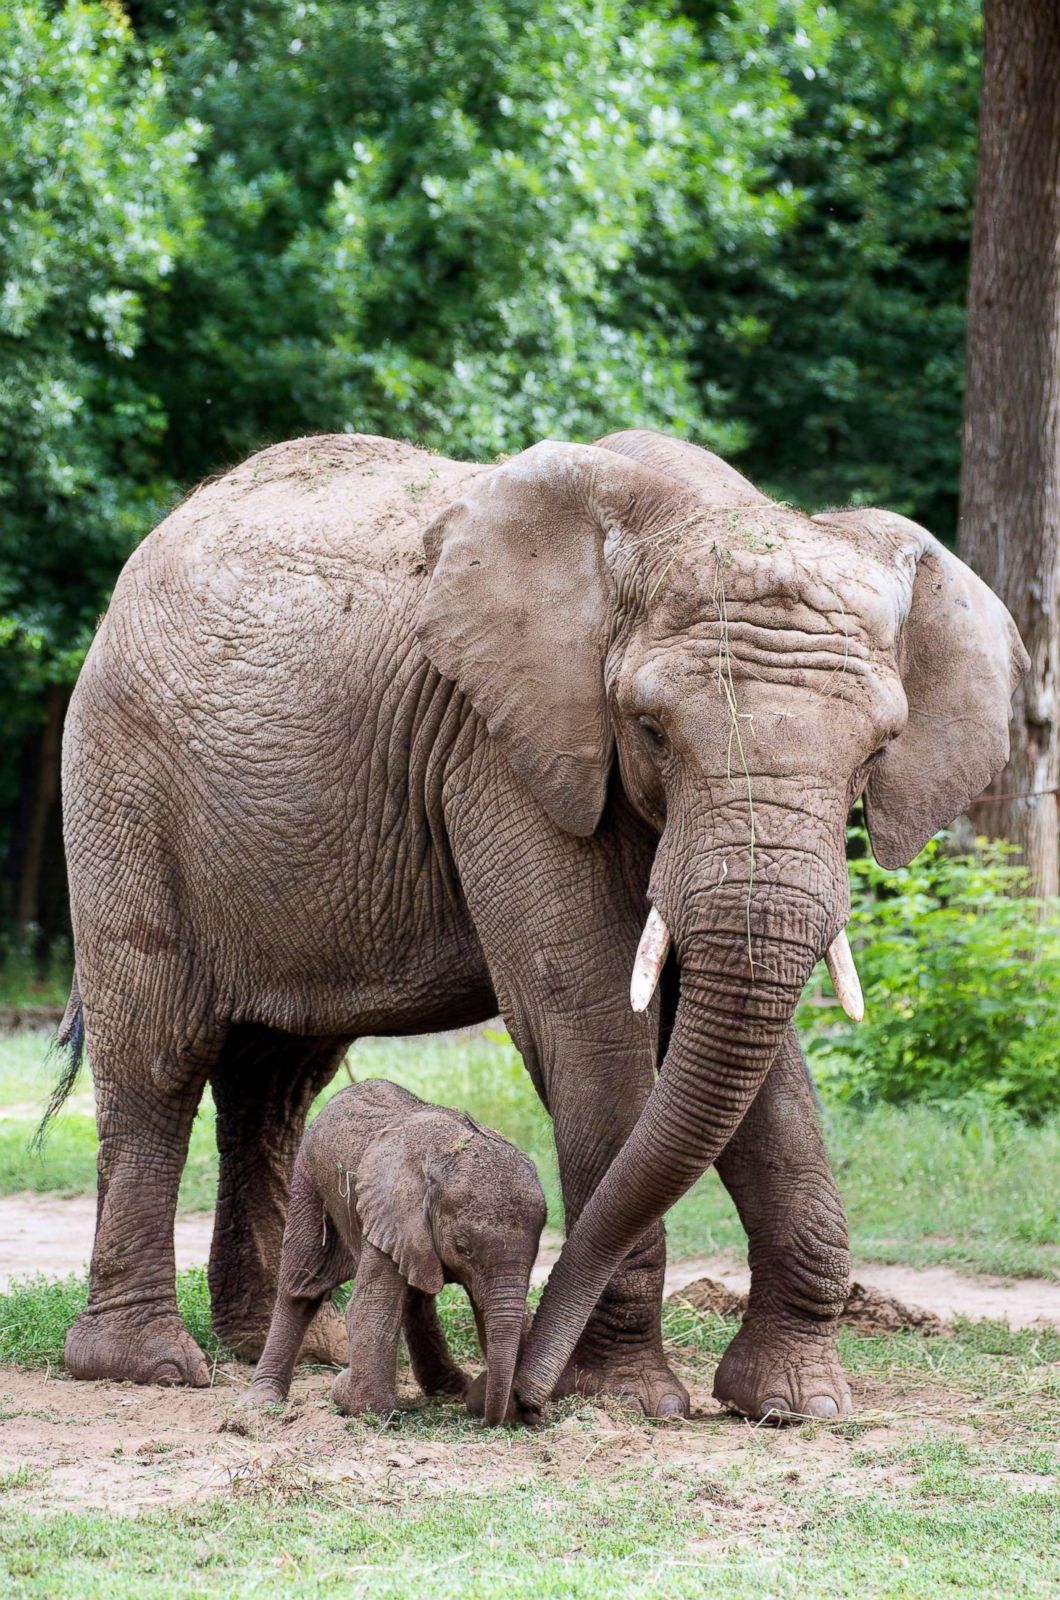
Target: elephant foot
{"points": [[262, 1392], [355, 1395], [130, 1346], [636, 1377], [782, 1372]]}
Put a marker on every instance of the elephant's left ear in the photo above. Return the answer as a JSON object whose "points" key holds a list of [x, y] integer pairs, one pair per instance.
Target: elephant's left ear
{"points": [[960, 658], [391, 1188], [517, 612]]}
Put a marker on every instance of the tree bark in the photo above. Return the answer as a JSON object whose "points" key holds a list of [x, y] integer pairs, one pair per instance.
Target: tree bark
{"points": [[1010, 485]]}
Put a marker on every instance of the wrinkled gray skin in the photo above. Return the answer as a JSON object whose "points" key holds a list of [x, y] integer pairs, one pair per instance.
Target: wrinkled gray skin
{"points": [[406, 1196], [374, 742]]}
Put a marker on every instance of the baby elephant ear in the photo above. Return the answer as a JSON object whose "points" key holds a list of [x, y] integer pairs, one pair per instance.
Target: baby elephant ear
{"points": [[517, 612], [391, 1189], [960, 658]]}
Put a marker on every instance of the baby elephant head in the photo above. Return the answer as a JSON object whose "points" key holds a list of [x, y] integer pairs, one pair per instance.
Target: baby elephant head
{"points": [[450, 1200]]}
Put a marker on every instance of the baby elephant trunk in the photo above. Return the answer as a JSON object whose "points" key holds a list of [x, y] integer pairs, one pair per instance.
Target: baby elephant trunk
{"points": [[504, 1318]]}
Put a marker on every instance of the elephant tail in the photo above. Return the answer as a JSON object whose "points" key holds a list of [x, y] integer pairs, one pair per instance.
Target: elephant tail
{"points": [[69, 1044]]}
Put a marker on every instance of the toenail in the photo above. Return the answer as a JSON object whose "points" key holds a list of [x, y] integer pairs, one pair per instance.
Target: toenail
{"points": [[822, 1405], [775, 1408], [669, 1406]]}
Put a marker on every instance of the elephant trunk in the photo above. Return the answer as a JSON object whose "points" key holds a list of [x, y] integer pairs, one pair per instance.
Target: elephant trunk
{"points": [[504, 1321], [739, 986]]}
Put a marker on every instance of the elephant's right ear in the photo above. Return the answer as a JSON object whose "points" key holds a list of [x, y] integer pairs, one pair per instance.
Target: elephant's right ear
{"points": [[960, 658], [517, 613], [391, 1190]]}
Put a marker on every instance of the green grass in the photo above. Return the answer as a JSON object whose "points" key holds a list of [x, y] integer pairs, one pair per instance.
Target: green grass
{"points": [[36, 1313], [919, 1185], [909, 1512], [640, 1535], [27, 1068], [926, 1517], [67, 1164]]}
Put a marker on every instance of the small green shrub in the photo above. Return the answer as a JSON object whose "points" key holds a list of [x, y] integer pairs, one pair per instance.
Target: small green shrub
{"points": [[961, 974]]}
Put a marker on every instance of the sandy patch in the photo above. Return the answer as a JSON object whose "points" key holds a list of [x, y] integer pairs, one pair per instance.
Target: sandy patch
{"points": [[42, 1233], [118, 1447], [122, 1447]]}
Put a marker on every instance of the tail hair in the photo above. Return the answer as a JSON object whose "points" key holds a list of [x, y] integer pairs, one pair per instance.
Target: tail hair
{"points": [[69, 1042]]}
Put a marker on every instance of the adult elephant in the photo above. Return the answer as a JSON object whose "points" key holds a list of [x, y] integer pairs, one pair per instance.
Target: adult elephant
{"points": [[342, 761]]}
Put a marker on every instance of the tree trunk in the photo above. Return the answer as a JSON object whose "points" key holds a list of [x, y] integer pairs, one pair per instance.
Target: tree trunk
{"points": [[1010, 487], [44, 795]]}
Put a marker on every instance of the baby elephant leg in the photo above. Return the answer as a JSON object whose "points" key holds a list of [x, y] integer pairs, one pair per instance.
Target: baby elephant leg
{"points": [[312, 1263], [432, 1365], [373, 1323]]}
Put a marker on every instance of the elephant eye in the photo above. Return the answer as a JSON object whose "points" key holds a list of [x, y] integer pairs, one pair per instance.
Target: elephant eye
{"points": [[652, 731], [464, 1249]]}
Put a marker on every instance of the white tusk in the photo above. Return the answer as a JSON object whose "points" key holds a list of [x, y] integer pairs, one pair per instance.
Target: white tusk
{"points": [[651, 956], [844, 976]]}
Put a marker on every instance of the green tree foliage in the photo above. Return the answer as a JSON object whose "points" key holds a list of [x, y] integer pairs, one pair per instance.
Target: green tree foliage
{"points": [[840, 340], [455, 222], [95, 210], [473, 224], [961, 975]]}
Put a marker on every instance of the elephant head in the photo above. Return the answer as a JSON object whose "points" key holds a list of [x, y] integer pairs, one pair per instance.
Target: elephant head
{"points": [[752, 671], [445, 1197]]}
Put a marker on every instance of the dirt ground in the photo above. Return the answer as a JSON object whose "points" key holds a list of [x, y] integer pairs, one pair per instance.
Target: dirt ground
{"points": [[116, 1447], [44, 1233], [40, 1233]]}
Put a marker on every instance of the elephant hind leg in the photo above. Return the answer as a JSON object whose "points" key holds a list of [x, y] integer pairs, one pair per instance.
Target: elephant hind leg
{"points": [[263, 1083], [314, 1261], [432, 1364], [147, 1093]]}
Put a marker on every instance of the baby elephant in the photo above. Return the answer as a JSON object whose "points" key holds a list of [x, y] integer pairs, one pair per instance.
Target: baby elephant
{"points": [[403, 1197]]}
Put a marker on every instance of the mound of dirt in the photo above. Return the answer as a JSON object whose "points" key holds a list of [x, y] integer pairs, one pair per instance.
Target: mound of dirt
{"points": [[707, 1294], [868, 1310]]}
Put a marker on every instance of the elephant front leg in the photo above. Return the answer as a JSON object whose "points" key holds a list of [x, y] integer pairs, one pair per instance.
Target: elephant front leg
{"points": [[620, 1351], [784, 1362], [373, 1325], [559, 920], [263, 1086]]}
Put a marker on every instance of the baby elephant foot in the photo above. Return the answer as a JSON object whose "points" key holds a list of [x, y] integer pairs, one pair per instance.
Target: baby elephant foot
{"points": [[783, 1371], [355, 1395], [135, 1346], [262, 1392], [639, 1378]]}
